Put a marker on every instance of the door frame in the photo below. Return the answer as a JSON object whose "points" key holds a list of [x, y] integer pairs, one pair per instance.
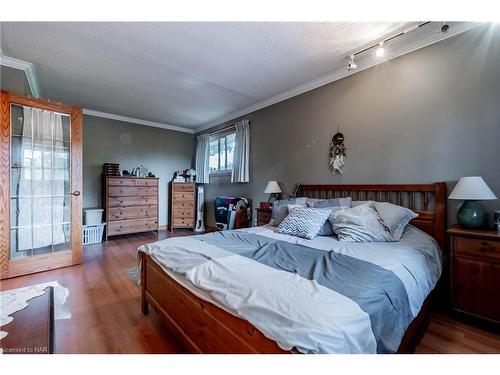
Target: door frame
{"points": [[10, 268]]}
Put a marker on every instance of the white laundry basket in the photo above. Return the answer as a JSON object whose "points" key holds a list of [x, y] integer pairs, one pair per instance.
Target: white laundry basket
{"points": [[93, 216], [93, 233]]}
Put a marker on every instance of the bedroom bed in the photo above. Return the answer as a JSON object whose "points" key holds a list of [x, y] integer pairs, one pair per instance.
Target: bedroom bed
{"points": [[225, 293]]}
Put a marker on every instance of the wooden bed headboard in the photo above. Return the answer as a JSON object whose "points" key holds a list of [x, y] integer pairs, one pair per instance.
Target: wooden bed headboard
{"points": [[428, 200]]}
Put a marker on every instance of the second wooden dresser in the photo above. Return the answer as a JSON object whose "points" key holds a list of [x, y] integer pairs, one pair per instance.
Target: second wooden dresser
{"points": [[130, 205], [182, 205]]}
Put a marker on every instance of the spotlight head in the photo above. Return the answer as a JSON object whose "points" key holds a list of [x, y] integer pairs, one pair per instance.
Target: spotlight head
{"points": [[351, 65], [380, 50], [444, 27]]}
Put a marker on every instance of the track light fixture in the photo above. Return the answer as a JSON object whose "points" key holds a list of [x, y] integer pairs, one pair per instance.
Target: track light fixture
{"points": [[352, 65], [380, 50]]}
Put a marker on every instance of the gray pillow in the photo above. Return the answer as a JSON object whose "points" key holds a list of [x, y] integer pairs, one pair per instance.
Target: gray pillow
{"points": [[394, 217], [304, 222], [326, 203], [334, 203], [359, 224], [280, 209]]}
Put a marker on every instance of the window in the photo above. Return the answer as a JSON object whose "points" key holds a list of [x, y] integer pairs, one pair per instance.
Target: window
{"points": [[221, 152]]}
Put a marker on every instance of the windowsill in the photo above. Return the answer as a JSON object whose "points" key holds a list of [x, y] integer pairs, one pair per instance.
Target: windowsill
{"points": [[220, 173]]}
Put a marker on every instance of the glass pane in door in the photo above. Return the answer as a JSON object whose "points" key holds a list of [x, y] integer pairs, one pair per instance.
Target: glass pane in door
{"points": [[40, 205]]}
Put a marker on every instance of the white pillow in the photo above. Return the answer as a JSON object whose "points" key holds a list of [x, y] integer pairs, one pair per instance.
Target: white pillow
{"points": [[359, 224], [304, 222], [395, 217]]}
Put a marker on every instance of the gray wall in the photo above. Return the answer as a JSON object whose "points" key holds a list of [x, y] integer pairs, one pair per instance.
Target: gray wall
{"points": [[431, 115], [13, 80], [161, 151]]}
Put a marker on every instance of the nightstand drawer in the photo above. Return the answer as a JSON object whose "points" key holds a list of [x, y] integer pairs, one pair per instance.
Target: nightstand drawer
{"points": [[477, 247]]}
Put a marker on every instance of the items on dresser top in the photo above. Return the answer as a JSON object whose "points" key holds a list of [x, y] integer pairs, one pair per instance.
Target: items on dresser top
{"points": [[111, 169], [475, 273], [182, 205], [130, 204]]}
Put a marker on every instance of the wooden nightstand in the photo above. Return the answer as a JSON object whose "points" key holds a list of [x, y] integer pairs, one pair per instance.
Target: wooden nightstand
{"points": [[475, 273], [263, 215]]}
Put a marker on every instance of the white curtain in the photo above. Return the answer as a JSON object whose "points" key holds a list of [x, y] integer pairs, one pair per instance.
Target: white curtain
{"points": [[41, 181], [202, 159], [241, 158]]}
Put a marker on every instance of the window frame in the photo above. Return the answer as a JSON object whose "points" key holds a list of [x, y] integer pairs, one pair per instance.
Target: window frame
{"points": [[218, 137]]}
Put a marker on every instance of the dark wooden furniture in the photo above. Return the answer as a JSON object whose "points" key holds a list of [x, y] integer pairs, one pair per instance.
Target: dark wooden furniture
{"points": [[475, 274], [182, 205], [130, 204], [32, 330], [263, 215], [205, 328], [37, 263]]}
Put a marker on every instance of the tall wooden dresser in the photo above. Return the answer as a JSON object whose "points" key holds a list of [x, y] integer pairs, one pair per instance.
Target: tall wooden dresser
{"points": [[182, 205], [130, 205]]}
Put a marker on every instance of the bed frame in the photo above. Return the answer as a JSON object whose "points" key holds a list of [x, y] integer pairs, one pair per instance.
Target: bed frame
{"points": [[202, 327]]}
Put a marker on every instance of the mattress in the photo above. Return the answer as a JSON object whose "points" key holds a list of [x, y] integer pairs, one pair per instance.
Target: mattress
{"points": [[317, 296]]}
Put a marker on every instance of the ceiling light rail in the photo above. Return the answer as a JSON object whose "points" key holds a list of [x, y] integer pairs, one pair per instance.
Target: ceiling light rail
{"points": [[380, 45]]}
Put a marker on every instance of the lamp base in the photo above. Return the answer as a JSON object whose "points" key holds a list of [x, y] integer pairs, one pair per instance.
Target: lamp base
{"points": [[273, 197], [471, 215]]}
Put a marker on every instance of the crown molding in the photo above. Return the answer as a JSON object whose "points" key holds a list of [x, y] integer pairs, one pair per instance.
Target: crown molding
{"points": [[428, 38], [29, 71], [132, 120]]}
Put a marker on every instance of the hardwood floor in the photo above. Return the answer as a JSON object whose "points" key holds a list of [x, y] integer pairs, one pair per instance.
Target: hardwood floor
{"points": [[107, 318]]}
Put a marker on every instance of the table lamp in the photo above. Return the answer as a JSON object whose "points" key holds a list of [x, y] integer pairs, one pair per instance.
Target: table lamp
{"points": [[471, 190], [273, 189]]}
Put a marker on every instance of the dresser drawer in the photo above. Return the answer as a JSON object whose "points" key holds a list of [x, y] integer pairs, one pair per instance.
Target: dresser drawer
{"points": [[131, 226], [146, 182], [130, 191], [184, 196], [183, 206], [477, 247], [183, 222], [183, 214], [133, 212], [133, 201], [132, 182], [179, 187]]}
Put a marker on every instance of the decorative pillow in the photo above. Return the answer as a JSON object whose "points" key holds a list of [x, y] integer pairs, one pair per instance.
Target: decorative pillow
{"points": [[359, 224], [280, 209], [304, 222], [335, 204], [394, 217]]}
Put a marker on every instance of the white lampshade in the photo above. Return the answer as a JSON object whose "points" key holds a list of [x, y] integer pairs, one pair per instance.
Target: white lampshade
{"points": [[472, 188], [272, 187]]}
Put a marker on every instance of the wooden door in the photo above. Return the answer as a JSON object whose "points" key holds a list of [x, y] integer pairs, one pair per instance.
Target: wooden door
{"points": [[40, 185]]}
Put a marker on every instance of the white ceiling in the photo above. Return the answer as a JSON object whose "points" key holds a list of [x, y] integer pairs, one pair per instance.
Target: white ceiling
{"points": [[182, 74]]}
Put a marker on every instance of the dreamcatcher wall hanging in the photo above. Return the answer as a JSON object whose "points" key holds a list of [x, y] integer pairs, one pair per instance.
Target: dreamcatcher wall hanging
{"points": [[337, 152]]}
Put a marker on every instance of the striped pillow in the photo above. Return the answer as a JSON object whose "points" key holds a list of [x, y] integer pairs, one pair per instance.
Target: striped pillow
{"points": [[304, 222]]}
